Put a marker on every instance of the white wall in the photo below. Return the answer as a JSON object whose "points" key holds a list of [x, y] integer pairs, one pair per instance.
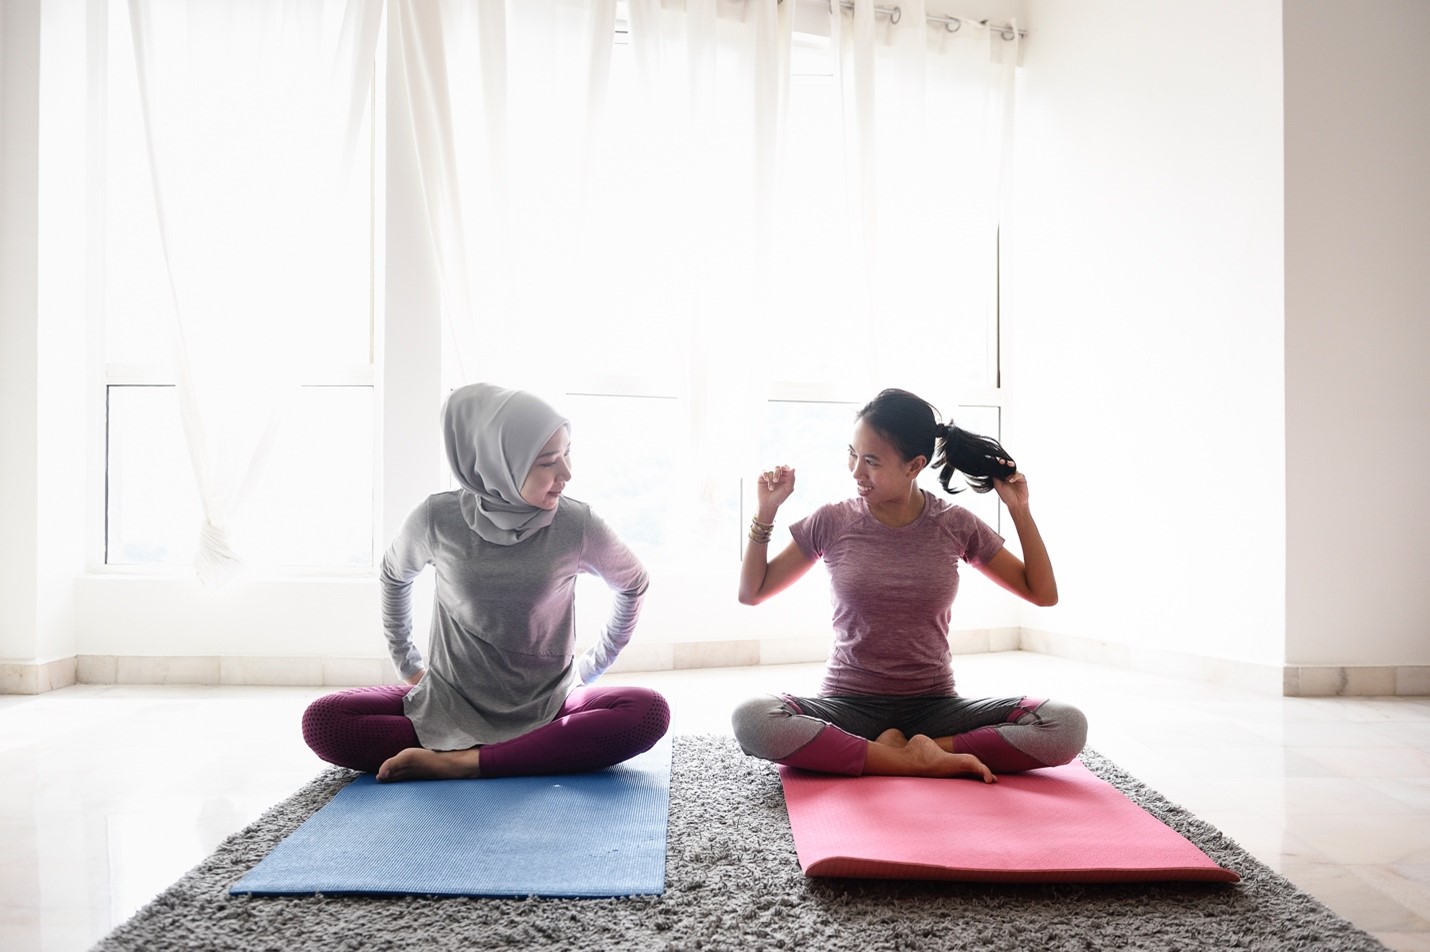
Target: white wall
{"points": [[45, 310], [19, 292], [1357, 332], [1142, 276]]}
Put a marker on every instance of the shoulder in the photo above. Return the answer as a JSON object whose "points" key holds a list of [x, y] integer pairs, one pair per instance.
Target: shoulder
{"points": [[440, 511], [438, 503], [834, 515], [433, 511], [820, 529], [976, 539], [575, 512], [946, 512], [845, 511], [577, 523]]}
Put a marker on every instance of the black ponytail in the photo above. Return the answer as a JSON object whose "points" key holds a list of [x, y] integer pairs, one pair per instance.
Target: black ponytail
{"points": [[911, 424], [981, 459]]}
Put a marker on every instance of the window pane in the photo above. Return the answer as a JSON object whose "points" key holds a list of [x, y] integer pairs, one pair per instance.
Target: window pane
{"points": [[623, 457], [335, 269], [153, 512], [814, 439], [313, 506]]}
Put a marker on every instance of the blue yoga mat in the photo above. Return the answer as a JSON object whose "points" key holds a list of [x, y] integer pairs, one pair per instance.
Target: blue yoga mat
{"points": [[583, 835]]}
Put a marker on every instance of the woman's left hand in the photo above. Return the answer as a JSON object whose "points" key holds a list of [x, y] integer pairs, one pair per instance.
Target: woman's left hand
{"points": [[1013, 490]]}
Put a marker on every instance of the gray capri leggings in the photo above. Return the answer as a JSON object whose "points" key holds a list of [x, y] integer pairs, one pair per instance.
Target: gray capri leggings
{"points": [[828, 733]]}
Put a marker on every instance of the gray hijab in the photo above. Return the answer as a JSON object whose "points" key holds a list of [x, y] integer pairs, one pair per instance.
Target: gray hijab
{"points": [[493, 435]]}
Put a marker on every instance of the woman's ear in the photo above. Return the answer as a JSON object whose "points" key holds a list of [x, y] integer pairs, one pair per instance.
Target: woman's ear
{"points": [[916, 465]]}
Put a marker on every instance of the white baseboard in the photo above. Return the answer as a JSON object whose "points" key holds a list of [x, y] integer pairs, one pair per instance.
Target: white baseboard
{"points": [[1262, 678], [1309, 680], [37, 678], [1287, 680]]}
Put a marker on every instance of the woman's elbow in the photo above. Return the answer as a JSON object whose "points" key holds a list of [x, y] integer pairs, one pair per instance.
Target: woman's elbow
{"points": [[1044, 599]]}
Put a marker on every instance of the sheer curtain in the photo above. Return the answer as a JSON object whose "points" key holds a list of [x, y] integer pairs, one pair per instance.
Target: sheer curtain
{"points": [[707, 120], [504, 99], [251, 113], [600, 204], [619, 196], [927, 114]]}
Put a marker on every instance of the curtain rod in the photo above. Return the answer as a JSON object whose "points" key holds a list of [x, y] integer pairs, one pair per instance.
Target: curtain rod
{"points": [[951, 24]]}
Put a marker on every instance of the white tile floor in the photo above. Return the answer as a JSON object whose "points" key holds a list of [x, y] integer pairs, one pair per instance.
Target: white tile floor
{"points": [[111, 793]]}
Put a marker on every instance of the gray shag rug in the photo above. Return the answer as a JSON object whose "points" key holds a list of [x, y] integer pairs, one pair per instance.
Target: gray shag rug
{"points": [[733, 882]]}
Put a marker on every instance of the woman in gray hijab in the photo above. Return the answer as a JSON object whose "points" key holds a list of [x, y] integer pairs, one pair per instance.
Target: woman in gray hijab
{"points": [[501, 693]]}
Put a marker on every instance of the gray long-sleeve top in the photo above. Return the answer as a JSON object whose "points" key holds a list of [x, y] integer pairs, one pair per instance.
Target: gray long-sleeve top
{"points": [[503, 626]]}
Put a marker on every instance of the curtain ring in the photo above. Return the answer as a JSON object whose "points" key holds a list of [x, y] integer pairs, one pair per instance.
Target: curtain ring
{"points": [[953, 24], [1008, 34], [896, 15]]}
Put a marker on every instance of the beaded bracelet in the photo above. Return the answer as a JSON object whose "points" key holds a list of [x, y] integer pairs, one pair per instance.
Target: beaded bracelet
{"points": [[761, 532]]}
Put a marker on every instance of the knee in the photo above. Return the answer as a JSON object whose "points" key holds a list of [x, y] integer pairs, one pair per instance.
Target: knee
{"points": [[318, 716], [656, 719], [751, 723], [650, 716], [1067, 726], [320, 724]]}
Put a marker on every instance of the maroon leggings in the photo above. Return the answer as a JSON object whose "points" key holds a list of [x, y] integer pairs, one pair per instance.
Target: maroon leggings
{"points": [[596, 727]]}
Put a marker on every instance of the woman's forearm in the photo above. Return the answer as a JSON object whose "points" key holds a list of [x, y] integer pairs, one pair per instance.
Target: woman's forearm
{"points": [[1037, 566], [756, 563]]}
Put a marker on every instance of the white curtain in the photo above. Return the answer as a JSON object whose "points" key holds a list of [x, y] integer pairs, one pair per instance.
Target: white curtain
{"points": [[927, 115], [634, 205], [711, 82], [251, 113], [504, 98], [578, 237]]}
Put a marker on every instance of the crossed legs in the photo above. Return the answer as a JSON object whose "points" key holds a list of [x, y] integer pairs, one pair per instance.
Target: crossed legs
{"points": [[936, 736], [365, 729]]}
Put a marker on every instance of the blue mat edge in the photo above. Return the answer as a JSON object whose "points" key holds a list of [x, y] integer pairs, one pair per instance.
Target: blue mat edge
{"points": [[663, 750]]}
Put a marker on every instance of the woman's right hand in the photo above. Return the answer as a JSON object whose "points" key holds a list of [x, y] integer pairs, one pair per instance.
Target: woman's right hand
{"points": [[772, 488], [417, 677]]}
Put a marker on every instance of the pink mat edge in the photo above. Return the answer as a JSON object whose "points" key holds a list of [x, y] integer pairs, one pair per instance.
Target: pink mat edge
{"points": [[852, 867]]}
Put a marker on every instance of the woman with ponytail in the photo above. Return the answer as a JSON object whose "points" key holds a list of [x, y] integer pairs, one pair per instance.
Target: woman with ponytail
{"points": [[888, 703]]}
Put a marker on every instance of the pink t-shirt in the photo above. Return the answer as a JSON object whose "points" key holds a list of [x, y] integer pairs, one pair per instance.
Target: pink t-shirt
{"points": [[892, 591]]}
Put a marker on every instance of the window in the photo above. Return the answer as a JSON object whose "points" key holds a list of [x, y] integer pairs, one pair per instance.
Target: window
{"points": [[618, 278], [250, 277], [626, 384]]}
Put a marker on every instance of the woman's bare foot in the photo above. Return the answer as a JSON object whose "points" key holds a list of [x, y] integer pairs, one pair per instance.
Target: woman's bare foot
{"points": [[418, 763], [922, 757], [893, 737]]}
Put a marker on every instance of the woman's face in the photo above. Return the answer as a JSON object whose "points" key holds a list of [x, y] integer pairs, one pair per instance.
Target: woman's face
{"points": [[550, 472], [880, 473]]}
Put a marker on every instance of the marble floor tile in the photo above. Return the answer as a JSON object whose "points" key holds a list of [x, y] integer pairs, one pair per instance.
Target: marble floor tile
{"points": [[1281, 796], [1354, 898], [1412, 791], [1383, 839], [1398, 762], [1407, 883]]}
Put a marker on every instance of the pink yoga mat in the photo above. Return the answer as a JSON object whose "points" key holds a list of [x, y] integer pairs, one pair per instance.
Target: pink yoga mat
{"points": [[1055, 825]]}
